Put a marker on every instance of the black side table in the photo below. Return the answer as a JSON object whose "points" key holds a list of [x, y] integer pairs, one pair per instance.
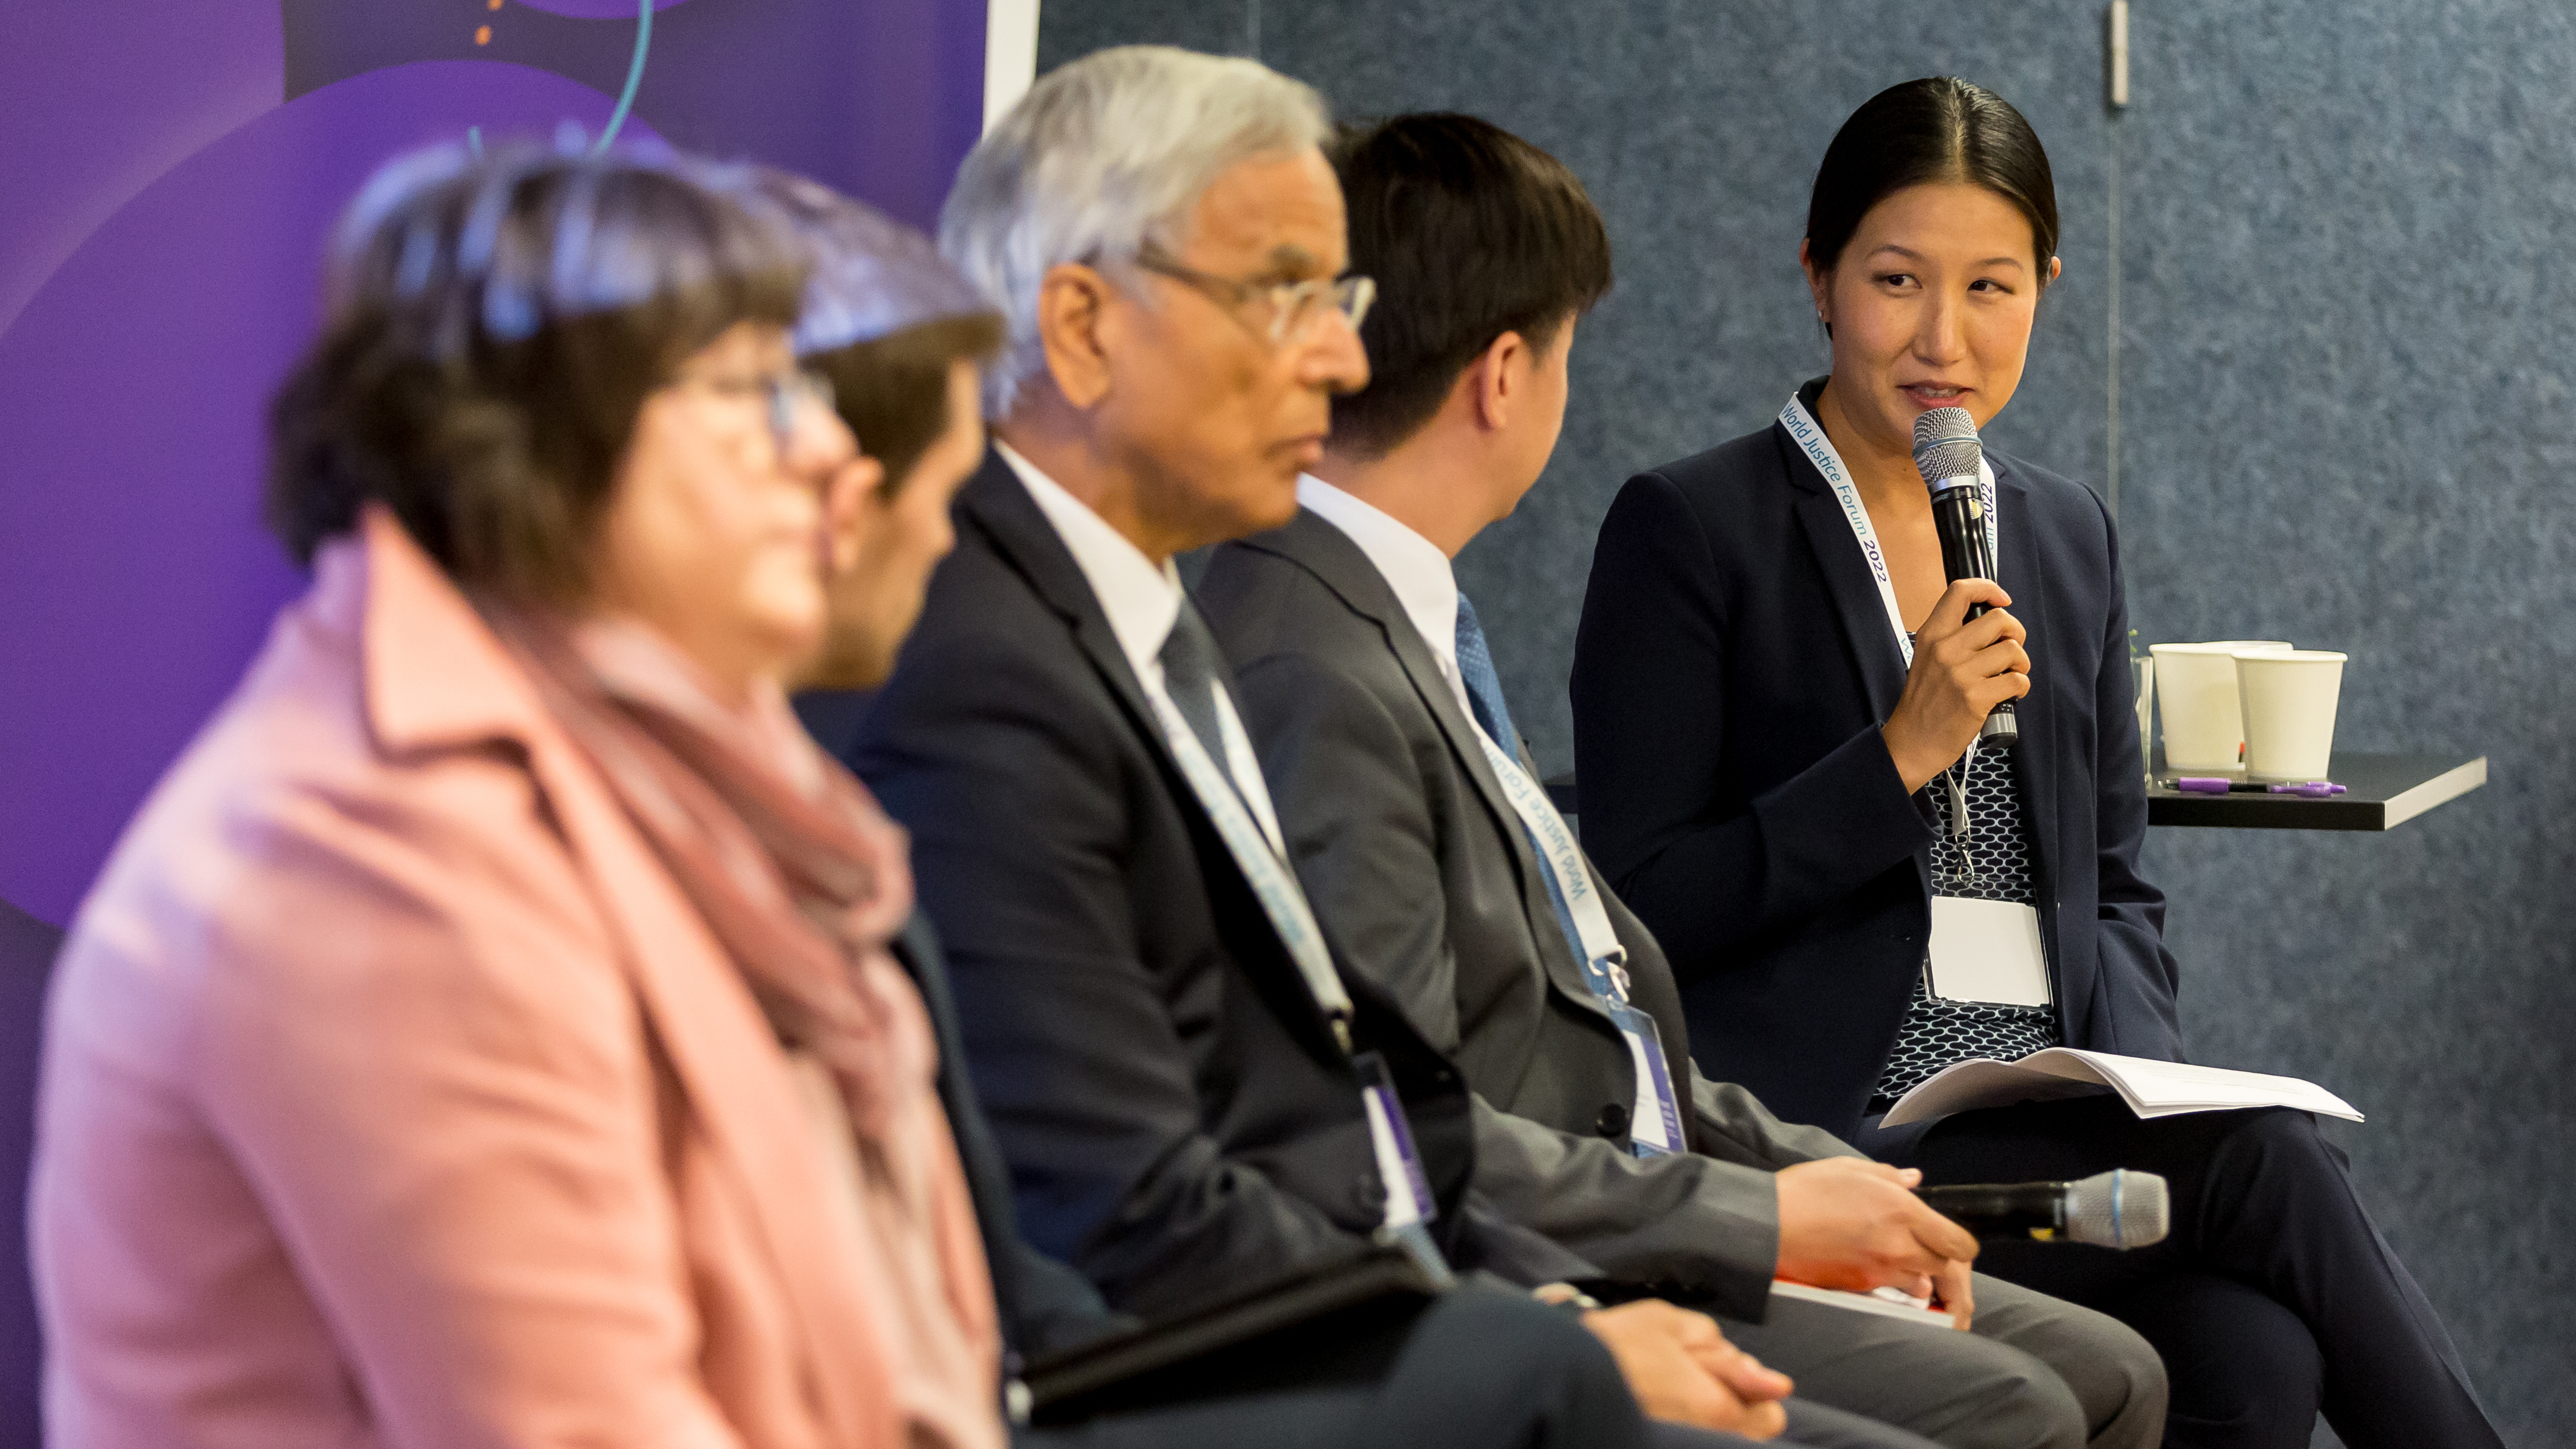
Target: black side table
{"points": [[2383, 792]]}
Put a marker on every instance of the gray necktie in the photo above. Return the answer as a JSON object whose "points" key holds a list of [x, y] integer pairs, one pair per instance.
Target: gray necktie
{"points": [[1192, 665]]}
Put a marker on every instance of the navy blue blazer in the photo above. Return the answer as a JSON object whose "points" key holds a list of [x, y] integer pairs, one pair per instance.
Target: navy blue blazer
{"points": [[1731, 671]]}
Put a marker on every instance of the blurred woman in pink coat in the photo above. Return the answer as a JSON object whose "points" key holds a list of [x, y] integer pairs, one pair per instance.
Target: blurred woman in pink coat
{"points": [[486, 1034]]}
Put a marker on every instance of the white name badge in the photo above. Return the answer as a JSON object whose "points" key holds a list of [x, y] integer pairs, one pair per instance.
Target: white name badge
{"points": [[1987, 951]]}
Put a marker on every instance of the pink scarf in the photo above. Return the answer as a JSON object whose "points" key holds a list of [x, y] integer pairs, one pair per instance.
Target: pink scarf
{"points": [[799, 874], [804, 881]]}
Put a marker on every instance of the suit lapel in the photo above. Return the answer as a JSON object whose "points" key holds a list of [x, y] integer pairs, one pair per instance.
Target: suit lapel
{"points": [[1315, 545], [1323, 550], [2018, 562], [996, 499], [1866, 632], [997, 502]]}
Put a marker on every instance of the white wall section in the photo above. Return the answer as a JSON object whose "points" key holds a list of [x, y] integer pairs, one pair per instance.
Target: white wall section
{"points": [[1010, 54]]}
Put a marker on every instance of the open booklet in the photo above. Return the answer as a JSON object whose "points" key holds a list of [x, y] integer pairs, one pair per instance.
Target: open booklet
{"points": [[1885, 1302], [2151, 1088]]}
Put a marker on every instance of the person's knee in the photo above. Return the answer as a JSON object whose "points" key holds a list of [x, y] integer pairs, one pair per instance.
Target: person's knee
{"points": [[2245, 1369], [1514, 1338], [2272, 1169], [2116, 1376], [1504, 1345], [1962, 1391], [2013, 1401], [2282, 1138]]}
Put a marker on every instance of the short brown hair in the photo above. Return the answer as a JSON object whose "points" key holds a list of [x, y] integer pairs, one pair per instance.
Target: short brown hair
{"points": [[495, 324], [885, 316], [1471, 232], [893, 390]]}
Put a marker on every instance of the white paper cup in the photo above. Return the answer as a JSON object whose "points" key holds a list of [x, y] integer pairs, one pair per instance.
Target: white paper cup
{"points": [[2289, 701], [2204, 726]]}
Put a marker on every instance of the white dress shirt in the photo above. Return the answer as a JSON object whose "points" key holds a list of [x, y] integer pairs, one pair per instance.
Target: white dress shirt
{"points": [[1142, 603], [1412, 565]]}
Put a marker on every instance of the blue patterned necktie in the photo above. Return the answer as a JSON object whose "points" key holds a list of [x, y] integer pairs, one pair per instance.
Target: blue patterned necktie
{"points": [[1484, 686], [1485, 696]]}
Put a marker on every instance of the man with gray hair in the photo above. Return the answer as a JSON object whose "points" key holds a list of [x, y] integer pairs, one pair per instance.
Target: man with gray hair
{"points": [[1192, 1096]]}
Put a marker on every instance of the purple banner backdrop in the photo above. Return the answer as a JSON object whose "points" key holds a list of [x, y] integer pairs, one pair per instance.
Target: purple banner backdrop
{"points": [[165, 180]]}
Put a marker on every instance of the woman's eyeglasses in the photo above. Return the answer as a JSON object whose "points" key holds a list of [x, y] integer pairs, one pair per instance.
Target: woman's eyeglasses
{"points": [[779, 396]]}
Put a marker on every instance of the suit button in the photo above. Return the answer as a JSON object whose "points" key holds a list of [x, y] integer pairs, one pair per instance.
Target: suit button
{"points": [[1369, 1194], [1613, 1121]]}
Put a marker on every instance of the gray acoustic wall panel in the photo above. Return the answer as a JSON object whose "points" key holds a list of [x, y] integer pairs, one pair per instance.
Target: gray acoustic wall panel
{"points": [[2347, 421]]}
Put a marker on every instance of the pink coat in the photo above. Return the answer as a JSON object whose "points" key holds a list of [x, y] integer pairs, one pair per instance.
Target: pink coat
{"points": [[393, 1094]]}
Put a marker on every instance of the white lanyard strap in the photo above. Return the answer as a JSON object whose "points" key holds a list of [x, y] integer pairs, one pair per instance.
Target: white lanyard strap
{"points": [[1409, 1200], [1655, 1124], [1811, 440], [1272, 885], [1601, 947]]}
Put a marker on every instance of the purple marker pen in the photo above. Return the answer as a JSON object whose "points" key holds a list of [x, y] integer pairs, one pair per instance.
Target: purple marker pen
{"points": [[2219, 785]]}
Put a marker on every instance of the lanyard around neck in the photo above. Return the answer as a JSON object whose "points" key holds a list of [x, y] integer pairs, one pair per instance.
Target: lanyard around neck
{"points": [[1655, 1124], [1810, 437], [1409, 1198], [1272, 885]]}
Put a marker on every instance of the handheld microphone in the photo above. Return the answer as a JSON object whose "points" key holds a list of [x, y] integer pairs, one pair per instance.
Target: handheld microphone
{"points": [[1946, 452], [2115, 1209]]}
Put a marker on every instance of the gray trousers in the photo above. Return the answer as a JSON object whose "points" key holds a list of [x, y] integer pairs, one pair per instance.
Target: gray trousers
{"points": [[2033, 1372]]}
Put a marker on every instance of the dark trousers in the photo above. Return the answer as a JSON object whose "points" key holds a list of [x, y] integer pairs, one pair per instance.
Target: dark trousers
{"points": [[1481, 1369], [2273, 1299]]}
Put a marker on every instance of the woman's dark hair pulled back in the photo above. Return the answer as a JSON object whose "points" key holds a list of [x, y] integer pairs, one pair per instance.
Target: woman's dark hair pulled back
{"points": [[494, 323], [1939, 128]]}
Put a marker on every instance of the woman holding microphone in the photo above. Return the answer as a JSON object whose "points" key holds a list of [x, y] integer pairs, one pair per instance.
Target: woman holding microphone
{"points": [[1775, 693]]}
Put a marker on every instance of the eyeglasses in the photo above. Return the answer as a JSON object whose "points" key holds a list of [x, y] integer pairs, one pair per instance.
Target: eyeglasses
{"points": [[779, 395], [1293, 307]]}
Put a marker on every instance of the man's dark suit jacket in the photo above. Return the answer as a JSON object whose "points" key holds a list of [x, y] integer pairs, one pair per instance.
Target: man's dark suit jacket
{"points": [[1043, 1304], [1175, 1111], [1731, 671], [1425, 878]]}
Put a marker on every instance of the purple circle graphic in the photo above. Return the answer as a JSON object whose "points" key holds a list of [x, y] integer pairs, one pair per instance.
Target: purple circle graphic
{"points": [[135, 578]]}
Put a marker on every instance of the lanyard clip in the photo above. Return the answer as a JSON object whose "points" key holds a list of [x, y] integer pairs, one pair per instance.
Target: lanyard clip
{"points": [[1956, 778], [1613, 968]]}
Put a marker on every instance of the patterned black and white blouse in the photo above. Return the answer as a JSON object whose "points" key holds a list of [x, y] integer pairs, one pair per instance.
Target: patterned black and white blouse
{"points": [[1992, 864]]}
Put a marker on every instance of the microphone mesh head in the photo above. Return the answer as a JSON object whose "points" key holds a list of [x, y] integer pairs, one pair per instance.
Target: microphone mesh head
{"points": [[2118, 1209], [1946, 446]]}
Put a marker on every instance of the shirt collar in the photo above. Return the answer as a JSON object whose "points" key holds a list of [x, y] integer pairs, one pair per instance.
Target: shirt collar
{"points": [[1413, 565], [1141, 600]]}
